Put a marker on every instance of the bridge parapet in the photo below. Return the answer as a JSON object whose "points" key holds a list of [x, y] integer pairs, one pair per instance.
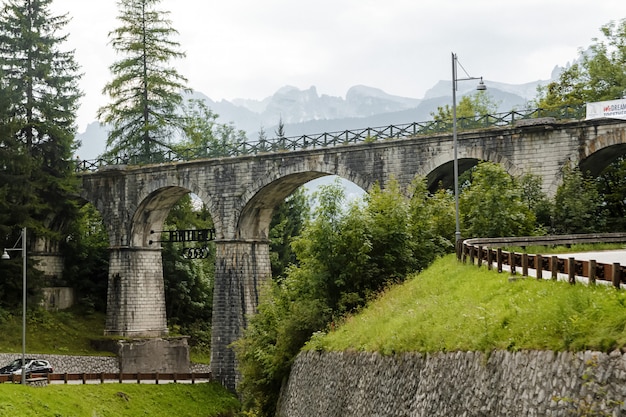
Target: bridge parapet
{"points": [[330, 139], [241, 193]]}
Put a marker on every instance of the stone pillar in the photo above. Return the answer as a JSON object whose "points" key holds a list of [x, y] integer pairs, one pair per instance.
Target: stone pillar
{"points": [[136, 296], [240, 267]]}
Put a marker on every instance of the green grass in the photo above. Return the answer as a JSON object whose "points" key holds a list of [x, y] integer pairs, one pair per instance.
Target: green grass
{"points": [[60, 333], [116, 400], [68, 332], [458, 307]]}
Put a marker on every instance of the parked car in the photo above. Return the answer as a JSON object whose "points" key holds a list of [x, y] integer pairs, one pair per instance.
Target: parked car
{"points": [[33, 366]]}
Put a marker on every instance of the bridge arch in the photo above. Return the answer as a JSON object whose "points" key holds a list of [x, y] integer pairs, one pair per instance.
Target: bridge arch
{"points": [[151, 213], [601, 157], [441, 169], [158, 197], [268, 191], [240, 193]]}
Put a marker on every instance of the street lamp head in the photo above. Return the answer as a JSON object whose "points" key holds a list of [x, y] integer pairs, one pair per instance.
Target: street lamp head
{"points": [[5, 255], [481, 85]]}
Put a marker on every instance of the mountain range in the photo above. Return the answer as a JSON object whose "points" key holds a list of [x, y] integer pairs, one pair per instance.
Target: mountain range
{"points": [[308, 112]]}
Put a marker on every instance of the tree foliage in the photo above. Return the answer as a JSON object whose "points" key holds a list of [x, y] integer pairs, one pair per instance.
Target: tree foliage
{"points": [[189, 282], [611, 185], [492, 206], [146, 90], [599, 74], [469, 109], [38, 100], [287, 223], [578, 207], [346, 254], [86, 253], [204, 135]]}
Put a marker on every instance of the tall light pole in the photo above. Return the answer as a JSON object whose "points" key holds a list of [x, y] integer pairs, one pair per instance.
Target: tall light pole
{"points": [[480, 87], [5, 255]]}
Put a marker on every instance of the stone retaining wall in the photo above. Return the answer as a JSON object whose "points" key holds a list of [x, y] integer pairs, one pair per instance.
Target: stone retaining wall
{"points": [[501, 384], [79, 364], [70, 364]]}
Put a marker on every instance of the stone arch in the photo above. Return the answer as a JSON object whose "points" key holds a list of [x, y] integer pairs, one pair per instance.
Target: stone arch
{"points": [[593, 156], [600, 145], [435, 168], [595, 162], [148, 195], [151, 214], [268, 192]]}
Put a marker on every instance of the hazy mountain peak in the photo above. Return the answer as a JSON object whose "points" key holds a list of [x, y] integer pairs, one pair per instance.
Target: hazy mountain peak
{"points": [[307, 112], [365, 91]]}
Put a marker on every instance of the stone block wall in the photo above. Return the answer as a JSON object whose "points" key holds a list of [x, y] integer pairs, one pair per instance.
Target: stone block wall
{"points": [[136, 295], [241, 269], [88, 364], [58, 298], [154, 355], [501, 384], [70, 364]]}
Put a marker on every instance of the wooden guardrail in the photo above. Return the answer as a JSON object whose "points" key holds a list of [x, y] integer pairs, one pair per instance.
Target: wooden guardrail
{"points": [[489, 251], [109, 377]]}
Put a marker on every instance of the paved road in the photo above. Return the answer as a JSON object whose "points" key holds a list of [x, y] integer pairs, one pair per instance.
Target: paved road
{"points": [[605, 257]]}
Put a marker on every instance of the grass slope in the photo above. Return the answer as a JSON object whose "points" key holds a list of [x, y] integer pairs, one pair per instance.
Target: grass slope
{"points": [[60, 333], [453, 306], [117, 400]]}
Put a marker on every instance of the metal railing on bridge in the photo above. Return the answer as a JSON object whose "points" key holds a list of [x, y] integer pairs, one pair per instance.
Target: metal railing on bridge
{"points": [[332, 139]]}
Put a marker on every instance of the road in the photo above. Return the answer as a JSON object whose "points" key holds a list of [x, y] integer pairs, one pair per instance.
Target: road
{"points": [[605, 257]]}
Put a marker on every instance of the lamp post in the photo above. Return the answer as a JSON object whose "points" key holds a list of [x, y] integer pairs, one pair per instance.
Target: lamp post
{"points": [[5, 255], [480, 87]]}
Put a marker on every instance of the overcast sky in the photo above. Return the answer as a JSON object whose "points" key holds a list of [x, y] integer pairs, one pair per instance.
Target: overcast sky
{"points": [[251, 48]]}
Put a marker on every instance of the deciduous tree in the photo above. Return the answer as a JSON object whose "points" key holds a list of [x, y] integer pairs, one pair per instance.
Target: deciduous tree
{"points": [[578, 207], [599, 74], [470, 111], [492, 206]]}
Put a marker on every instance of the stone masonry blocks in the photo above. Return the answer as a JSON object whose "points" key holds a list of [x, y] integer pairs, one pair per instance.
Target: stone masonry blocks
{"points": [[241, 193]]}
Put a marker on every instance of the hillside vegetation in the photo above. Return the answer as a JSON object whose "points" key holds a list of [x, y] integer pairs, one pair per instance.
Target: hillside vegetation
{"points": [[69, 332], [453, 306]]}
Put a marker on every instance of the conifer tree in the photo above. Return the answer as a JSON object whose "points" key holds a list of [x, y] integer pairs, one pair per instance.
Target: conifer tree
{"points": [[38, 100], [146, 90], [39, 90]]}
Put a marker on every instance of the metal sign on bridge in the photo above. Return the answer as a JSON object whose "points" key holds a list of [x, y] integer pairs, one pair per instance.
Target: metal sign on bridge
{"points": [[192, 235]]}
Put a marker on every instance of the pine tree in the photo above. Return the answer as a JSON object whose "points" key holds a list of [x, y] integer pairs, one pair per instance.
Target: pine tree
{"points": [[40, 94], [38, 100], [145, 91]]}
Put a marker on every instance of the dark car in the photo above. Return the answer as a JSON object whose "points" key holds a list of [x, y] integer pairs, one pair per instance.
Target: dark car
{"points": [[33, 366]]}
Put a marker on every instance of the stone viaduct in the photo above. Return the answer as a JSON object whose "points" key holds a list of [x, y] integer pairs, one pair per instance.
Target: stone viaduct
{"points": [[242, 192]]}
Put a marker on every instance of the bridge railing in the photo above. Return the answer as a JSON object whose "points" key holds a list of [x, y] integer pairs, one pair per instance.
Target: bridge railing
{"points": [[332, 139], [489, 252]]}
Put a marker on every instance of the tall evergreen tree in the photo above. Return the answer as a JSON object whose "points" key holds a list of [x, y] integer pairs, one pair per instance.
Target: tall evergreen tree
{"points": [[146, 90], [38, 100], [38, 119]]}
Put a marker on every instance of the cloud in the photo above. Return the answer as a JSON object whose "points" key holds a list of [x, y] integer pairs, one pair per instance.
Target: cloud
{"points": [[249, 49]]}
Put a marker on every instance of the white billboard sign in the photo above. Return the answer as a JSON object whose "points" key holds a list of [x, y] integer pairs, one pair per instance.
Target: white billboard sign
{"points": [[614, 109]]}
